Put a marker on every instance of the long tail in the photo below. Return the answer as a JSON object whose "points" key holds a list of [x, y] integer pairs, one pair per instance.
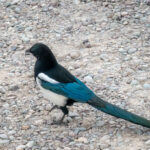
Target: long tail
{"points": [[118, 112]]}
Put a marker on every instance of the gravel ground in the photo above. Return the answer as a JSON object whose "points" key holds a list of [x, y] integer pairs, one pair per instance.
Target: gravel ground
{"points": [[105, 44]]}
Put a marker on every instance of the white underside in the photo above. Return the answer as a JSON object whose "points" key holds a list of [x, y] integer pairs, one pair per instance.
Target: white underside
{"points": [[51, 96]]}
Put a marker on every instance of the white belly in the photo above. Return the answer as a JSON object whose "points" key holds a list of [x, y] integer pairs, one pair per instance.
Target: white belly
{"points": [[51, 96]]}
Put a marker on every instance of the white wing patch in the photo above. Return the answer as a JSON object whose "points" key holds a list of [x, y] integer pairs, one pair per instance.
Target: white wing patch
{"points": [[46, 78]]}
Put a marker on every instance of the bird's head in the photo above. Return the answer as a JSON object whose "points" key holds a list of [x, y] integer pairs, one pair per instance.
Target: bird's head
{"points": [[43, 54], [39, 50]]}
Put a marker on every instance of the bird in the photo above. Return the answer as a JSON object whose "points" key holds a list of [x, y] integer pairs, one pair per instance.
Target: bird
{"points": [[63, 89]]}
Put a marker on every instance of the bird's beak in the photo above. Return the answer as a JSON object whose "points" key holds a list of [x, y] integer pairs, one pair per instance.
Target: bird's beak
{"points": [[27, 52]]}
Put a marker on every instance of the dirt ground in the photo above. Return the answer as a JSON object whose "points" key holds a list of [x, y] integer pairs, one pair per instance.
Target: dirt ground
{"points": [[106, 44]]}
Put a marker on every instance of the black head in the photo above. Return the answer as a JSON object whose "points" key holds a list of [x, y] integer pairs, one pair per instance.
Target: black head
{"points": [[39, 50], [42, 53]]}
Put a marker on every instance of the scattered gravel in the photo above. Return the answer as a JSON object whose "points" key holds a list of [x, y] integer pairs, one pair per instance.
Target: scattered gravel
{"points": [[106, 44]]}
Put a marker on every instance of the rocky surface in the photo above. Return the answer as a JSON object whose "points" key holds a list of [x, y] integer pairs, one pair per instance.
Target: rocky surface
{"points": [[106, 44]]}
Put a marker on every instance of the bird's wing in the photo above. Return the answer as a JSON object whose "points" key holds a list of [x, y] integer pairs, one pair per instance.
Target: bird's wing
{"points": [[60, 74], [75, 90]]}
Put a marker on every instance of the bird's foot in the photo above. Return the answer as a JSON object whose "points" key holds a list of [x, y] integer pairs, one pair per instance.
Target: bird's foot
{"points": [[59, 122]]}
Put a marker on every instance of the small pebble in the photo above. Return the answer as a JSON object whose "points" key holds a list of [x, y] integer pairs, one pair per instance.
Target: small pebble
{"points": [[147, 142], [14, 2], [3, 136], [30, 144], [105, 139], [6, 106], [1, 45], [88, 79], [132, 50], [67, 148], [147, 86], [125, 22], [25, 127], [103, 56], [2, 90], [77, 2], [74, 55], [73, 114], [44, 148], [124, 13], [77, 130], [82, 140], [134, 82], [17, 10], [39, 122], [100, 123], [86, 43], [122, 50], [14, 88], [13, 48], [21, 147], [4, 142]]}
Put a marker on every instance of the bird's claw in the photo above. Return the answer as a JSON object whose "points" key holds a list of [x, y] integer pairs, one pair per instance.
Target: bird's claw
{"points": [[59, 122]]}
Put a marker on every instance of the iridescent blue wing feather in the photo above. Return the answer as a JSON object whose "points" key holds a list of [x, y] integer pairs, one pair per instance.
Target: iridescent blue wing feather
{"points": [[76, 90]]}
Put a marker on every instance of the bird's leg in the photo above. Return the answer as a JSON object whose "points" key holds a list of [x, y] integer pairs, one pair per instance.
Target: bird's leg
{"points": [[54, 107], [65, 112]]}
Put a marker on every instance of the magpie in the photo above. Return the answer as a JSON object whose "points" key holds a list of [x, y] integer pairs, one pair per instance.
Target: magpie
{"points": [[63, 89]]}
